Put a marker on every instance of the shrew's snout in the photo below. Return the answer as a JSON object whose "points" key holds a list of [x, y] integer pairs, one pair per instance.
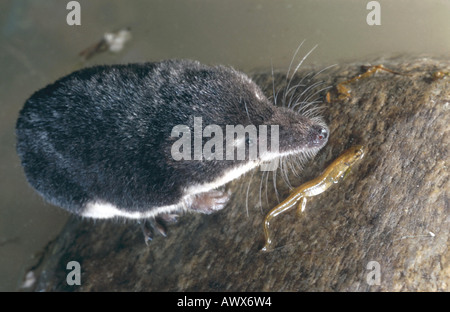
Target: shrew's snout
{"points": [[318, 136]]}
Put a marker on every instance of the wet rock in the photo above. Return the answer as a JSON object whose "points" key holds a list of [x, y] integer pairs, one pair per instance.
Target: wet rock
{"points": [[390, 213]]}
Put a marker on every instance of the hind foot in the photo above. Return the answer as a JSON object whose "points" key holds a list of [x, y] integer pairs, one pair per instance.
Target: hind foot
{"points": [[159, 223], [210, 202]]}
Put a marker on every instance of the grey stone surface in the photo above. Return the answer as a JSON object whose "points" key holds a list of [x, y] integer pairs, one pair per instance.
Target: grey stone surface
{"points": [[393, 208]]}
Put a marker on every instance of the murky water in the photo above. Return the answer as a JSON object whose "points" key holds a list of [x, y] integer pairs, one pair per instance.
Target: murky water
{"points": [[37, 47]]}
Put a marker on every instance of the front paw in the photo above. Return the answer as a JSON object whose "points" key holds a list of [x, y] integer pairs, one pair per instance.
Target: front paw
{"points": [[210, 202]]}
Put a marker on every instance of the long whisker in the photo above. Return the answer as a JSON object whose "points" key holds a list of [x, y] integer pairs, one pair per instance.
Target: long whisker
{"points": [[285, 173], [296, 69], [292, 167], [273, 86], [267, 182], [305, 104], [260, 189], [293, 93], [314, 111], [288, 75], [292, 60], [324, 69], [317, 92], [303, 59], [311, 87], [274, 175], [308, 89], [248, 190], [299, 84], [305, 92]]}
